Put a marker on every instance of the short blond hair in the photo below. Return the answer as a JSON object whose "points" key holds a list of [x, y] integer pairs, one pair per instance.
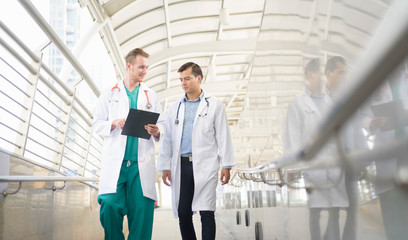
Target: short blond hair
{"points": [[133, 54]]}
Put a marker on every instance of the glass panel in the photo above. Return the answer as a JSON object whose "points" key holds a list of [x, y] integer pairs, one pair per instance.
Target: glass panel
{"points": [[307, 53]]}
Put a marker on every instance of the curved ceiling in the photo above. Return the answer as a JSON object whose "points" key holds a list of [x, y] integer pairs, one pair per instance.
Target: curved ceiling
{"points": [[252, 52]]}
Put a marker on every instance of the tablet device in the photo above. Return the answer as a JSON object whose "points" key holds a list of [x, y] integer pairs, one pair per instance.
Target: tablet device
{"points": [[394, 112], [135, 122]]}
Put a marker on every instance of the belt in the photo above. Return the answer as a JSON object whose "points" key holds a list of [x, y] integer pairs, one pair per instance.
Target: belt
{"points": [[188, 159]]}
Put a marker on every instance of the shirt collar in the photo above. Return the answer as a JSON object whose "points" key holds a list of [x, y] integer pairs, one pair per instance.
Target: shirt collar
{"points": [[308, 92], [197, 100], [134, 92]]}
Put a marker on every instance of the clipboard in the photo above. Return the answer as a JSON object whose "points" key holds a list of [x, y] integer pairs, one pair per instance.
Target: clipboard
{"points": [[394, 112], [135, 122]]}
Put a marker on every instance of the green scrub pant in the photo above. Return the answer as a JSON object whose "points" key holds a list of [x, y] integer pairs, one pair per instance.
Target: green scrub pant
{"points": [[128, 200]]}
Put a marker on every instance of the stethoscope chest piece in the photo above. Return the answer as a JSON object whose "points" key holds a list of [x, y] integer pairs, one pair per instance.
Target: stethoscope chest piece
{"points": [[148, 105]]}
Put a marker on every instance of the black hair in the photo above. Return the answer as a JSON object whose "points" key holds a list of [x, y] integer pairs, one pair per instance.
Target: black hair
{"points": [[312, 66], [195, 68], [331, 64]]}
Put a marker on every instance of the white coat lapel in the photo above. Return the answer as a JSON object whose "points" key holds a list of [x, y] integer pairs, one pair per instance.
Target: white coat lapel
{"points": [[181, 115], [141, 98], [200, 109], [179, 126], [310, 104]]}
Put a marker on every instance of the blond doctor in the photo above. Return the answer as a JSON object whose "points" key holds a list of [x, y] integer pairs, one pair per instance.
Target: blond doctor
{"points": [[127, 179], [196, 144]]}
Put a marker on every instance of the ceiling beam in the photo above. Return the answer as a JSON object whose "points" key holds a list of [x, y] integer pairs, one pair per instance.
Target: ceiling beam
{"points": [[220, 27], [327, 25], [59, 43], [167, 19], [113, 6], [210, 69], [243, 46], [168, 73], [205, 48], [228, 87], [108, 36]]}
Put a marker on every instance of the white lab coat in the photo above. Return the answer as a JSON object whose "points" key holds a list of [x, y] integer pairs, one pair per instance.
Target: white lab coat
{"points": [[211, 144], [112, 105], [385, 170], [302, 120]]}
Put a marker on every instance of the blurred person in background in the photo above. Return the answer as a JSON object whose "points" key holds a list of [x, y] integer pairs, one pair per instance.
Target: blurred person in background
{"points": [[303, 116], [352, 137], [386, 125]]}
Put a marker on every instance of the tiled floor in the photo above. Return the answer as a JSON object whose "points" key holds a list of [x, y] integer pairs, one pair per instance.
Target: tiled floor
{"points": [[165, 226], [276, 222]]}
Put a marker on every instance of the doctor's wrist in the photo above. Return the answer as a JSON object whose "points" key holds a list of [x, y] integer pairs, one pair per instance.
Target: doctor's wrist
{"points": [[113, 125], [157, 135]]}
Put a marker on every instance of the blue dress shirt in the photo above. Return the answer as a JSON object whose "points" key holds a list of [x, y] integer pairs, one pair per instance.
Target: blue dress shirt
{"points": [[190, 110]]}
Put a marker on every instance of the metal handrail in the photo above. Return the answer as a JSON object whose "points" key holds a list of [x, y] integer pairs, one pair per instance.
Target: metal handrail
{"points": [[19, 42], [356, 159], [78, 108], [52, 35], [11, 154], [62, 91], [23, 178]]}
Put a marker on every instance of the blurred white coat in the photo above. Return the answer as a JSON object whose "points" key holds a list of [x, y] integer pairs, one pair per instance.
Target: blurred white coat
{"points": [[302, 120]]}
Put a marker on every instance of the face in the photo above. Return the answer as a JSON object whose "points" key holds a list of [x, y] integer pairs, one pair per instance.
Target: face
{"points": [[336, 77], [137, 69], [189, 83], [315, 82]]}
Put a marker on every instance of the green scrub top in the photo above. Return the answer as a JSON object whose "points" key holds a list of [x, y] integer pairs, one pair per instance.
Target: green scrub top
{"points": [[132, 143]]}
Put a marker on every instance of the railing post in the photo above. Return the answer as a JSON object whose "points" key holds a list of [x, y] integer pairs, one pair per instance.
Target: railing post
{"points": [[87, 150], [63, 138], [29, 104]]}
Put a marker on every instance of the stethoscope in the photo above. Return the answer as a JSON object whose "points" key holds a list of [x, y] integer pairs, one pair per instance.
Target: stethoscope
{"points": [[200, 115], [148, 105]]}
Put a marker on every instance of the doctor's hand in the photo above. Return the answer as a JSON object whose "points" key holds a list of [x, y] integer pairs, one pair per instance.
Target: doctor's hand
{"points": [[153, 129], [118, 123], [225, 175], [377, 122], [166, 176]]}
